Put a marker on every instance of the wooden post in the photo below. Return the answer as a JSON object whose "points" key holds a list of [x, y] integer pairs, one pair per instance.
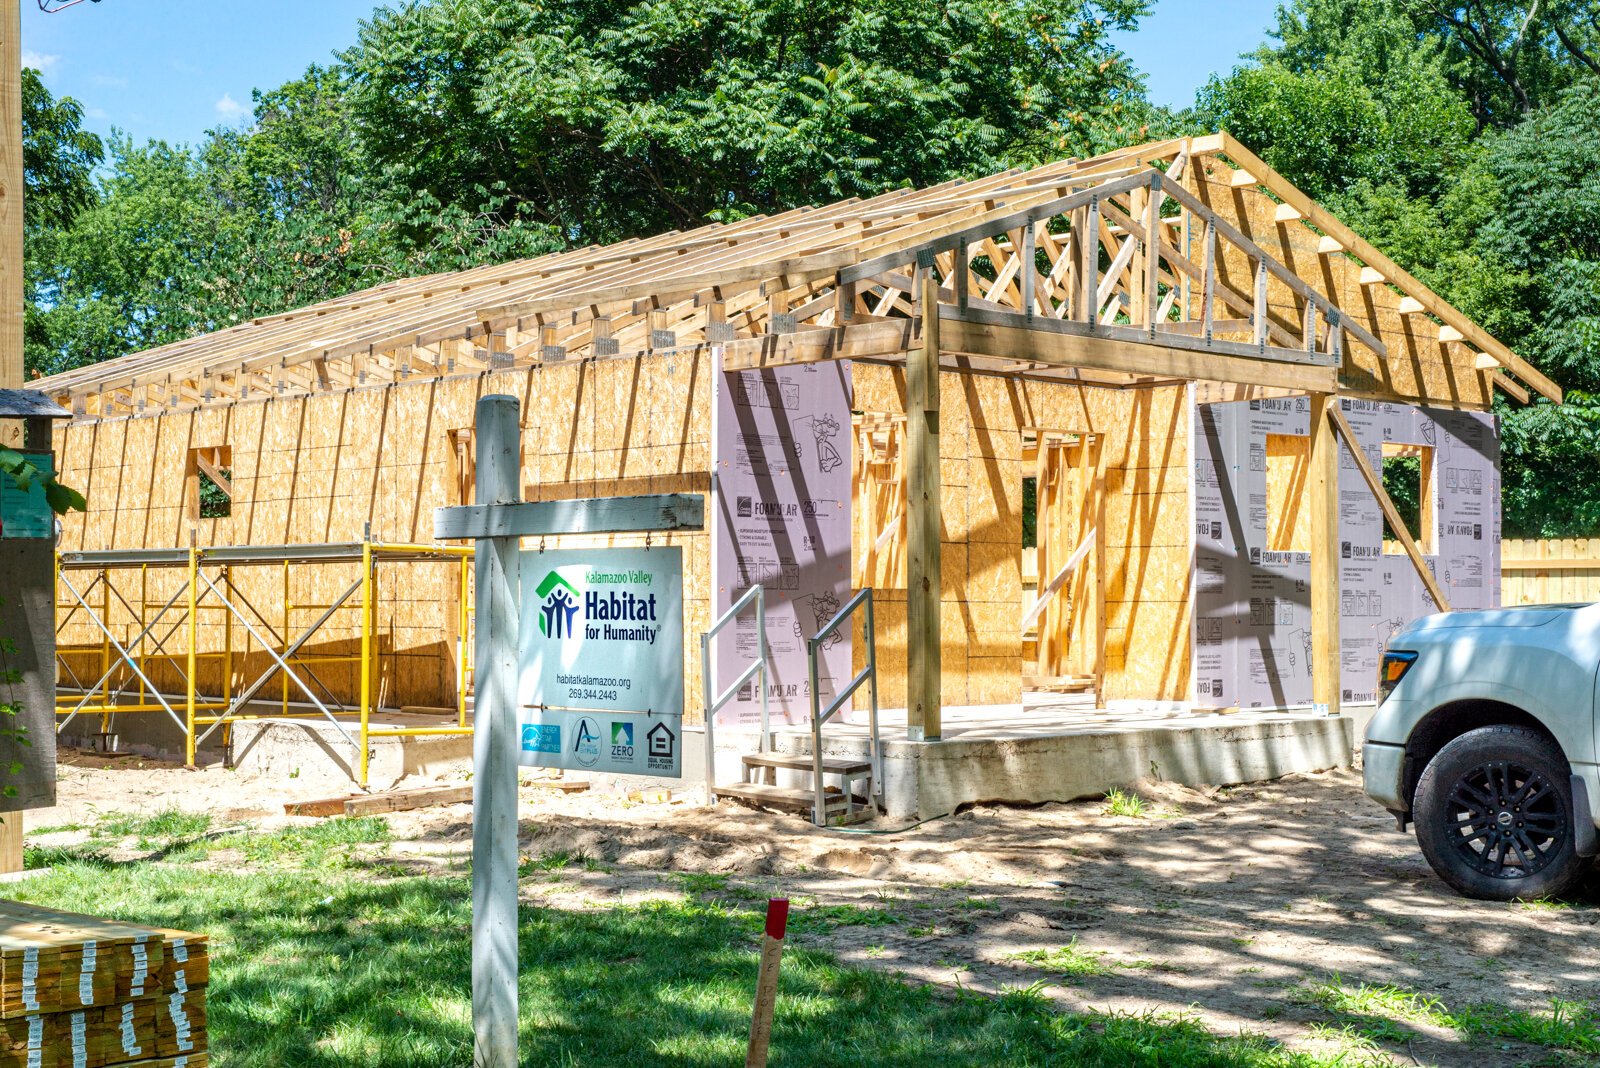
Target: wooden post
{"points": [[1374, 483], [1098, 473], [494, 757], [10, 843], [923, 679], [1323, 486], [11, 195], [767, 983]]}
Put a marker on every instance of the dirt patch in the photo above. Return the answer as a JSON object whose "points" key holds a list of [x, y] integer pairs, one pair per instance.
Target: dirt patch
{"points": [[1227, 903]]}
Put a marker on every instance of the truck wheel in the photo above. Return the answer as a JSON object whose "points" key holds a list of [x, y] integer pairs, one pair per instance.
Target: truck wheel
{"points": [[1494, 816]]}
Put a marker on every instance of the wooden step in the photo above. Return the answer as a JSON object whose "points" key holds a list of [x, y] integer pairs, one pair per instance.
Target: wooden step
{"points": [[784, 797], [830, 765], [1058, 683]]}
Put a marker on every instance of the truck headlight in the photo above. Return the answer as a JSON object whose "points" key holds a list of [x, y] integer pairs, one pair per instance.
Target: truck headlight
{"points": [[1391, 669]]}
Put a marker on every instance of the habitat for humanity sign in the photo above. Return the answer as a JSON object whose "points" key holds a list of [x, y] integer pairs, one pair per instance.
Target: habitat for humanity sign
{"points": [[600, 664]]}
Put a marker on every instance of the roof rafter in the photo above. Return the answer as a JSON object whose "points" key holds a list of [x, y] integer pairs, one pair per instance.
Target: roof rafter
{"points": [[1192, 245]]}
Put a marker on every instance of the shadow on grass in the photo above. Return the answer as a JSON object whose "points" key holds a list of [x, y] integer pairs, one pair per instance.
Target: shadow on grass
{"points": [[324, 968]]}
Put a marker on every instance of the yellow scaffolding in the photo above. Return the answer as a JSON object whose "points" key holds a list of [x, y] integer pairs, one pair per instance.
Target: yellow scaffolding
{"points": [[126, 666]]}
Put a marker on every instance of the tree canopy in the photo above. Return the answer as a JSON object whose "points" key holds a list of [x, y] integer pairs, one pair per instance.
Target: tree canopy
{"points": [[1461, 138], [458, 132]]}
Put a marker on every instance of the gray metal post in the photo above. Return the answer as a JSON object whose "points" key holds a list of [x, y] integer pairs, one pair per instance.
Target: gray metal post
{"points": [[494, 748], [819, 803], [761, 676]]}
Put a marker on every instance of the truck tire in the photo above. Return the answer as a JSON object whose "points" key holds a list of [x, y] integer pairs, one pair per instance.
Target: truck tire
{"points": [[1494, 816]]}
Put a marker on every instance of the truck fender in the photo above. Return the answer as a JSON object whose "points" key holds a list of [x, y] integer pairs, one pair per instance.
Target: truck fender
{"points": [[1585, 842]]}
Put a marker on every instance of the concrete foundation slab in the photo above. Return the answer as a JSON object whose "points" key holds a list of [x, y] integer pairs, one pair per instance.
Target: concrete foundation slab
{"points": [[1062, 749], [1051, 748]]}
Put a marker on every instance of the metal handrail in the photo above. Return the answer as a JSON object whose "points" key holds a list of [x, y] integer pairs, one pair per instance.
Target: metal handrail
{"points": [[757, 667], [868, 674]]}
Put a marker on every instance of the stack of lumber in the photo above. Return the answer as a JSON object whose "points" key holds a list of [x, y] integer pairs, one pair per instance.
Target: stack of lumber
{"points": [[81, 992]]}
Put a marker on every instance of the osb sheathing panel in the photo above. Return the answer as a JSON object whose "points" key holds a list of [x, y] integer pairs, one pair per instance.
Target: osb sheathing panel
{"points": [[1145, 454], [322, 468], [1418, 366]]}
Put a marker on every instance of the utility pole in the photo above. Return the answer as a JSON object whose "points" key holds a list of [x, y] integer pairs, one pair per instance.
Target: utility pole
{"points": [[11, 189]]}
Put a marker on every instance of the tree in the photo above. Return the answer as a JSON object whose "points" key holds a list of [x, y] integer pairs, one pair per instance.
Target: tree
{"points": [[1462, 140], [460, 132], [593, 121], [1353, 99], [58, 162], [1512, 55], [134, 269]]}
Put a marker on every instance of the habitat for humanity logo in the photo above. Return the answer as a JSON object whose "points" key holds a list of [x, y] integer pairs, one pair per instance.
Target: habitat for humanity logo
{"points": [[560, 599], [601, 613]]}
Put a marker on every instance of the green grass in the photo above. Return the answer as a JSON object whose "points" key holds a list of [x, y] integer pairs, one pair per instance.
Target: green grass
{"points": [[820, 919], [35, 856], [554, 860], [1374, 1010], [166, 825], [1568, 1025], [1070, 960], [1120, 803], [1541, 904], [317, 966], [330, 843], [1383, 1001]]}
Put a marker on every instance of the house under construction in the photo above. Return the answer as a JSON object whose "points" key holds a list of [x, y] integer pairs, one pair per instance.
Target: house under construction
{"points": [[1193, 375]]}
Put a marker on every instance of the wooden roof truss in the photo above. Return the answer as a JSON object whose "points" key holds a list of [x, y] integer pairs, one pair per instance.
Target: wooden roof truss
{"points": [[1180, 260]]}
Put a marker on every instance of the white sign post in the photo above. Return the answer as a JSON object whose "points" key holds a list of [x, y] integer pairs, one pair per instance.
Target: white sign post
{"points": [[498, 522]]}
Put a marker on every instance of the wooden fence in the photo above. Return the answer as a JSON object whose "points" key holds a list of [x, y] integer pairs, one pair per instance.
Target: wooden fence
{"points": [[1549, 570]]}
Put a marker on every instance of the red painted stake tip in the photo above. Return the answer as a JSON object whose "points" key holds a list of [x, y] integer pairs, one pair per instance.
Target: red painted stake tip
{"points": [[777, 917]]}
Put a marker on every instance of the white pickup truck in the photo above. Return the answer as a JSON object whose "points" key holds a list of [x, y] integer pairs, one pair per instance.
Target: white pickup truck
{"points": [[1485, 739]]}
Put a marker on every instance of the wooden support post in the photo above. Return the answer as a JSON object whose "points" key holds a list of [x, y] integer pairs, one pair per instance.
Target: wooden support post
{"points": [[1322, 484], [1097, 472], [1258, 318], [767, 983], [11, 835], [923, 682], [1089, 279], [963, 271], [1390, 512], [1152, 256], [494, 798], [1029, 269]]}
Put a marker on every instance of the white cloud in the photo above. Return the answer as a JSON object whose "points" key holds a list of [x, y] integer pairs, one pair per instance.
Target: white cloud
{"points": [[97, 113], [39, 61], [110, 81], [230, 109]]}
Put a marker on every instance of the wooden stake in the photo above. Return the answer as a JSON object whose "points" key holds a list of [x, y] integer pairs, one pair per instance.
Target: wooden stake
{"points": [[924, 683], [1323, 486], [10, 842], [767, 982]]}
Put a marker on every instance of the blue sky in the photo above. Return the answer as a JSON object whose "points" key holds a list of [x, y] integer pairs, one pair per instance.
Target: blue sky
{"points": [[175, 68], [1183, 42]]}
